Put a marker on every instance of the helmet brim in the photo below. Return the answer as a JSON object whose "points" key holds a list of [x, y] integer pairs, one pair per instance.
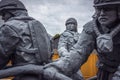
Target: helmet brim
{"points": [[107, 4], [10, 8]]}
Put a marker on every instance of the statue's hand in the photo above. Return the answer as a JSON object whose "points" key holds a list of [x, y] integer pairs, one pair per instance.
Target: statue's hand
{"points": [[52, 73], [116, 75], [105, 43], [49, 73], [65, 54]]}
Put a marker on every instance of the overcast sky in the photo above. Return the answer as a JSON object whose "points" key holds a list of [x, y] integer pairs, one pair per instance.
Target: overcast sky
{"points": [[53, 13]]}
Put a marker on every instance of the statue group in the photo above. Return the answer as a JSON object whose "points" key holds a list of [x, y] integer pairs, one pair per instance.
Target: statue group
{"points": [[25, 42]]}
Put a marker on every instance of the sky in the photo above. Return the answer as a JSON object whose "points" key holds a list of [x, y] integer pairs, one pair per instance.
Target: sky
{"points": [[53, 13]]}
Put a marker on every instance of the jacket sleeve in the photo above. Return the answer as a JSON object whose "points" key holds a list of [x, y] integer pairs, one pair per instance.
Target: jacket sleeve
{"points": [[62, 45], [8, 42]]}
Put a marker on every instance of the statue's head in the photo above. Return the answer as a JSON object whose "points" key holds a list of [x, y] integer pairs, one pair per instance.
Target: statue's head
{"points": [[71, 24], [8, 8], [107, 11]]}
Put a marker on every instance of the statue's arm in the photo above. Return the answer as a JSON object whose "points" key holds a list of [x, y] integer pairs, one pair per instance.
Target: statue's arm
{"points": [[77, 56], [8, 41], [63, 43]]}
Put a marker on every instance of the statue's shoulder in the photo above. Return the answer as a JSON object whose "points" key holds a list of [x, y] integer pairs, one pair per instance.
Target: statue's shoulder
{"points": [[15, 23], [88, 27], [66, 33]]}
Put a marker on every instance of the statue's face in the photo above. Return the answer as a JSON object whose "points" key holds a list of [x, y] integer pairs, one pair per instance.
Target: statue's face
{"points": [[71, 27], [107, 15]]}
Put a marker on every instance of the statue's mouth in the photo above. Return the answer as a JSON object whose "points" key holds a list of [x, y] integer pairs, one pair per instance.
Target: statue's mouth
{"points": [[103, 19]]}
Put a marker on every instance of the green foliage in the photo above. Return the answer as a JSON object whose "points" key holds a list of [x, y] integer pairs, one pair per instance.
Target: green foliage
{"points": [[56, 36]]}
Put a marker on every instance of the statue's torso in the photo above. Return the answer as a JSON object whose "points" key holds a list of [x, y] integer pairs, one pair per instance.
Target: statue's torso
{"points": [[25, 51], [72, 39]]}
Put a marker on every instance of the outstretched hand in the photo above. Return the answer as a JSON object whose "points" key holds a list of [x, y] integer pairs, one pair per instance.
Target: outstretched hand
{"points": [[52, 73]]}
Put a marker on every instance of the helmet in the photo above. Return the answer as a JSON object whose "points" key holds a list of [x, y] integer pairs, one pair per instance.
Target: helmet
{"points": [[71, 20], [11, 5], [98, 3]]}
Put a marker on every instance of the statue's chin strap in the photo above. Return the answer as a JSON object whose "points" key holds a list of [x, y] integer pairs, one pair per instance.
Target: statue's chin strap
{"points": [[112, 33], [105, 41]]}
